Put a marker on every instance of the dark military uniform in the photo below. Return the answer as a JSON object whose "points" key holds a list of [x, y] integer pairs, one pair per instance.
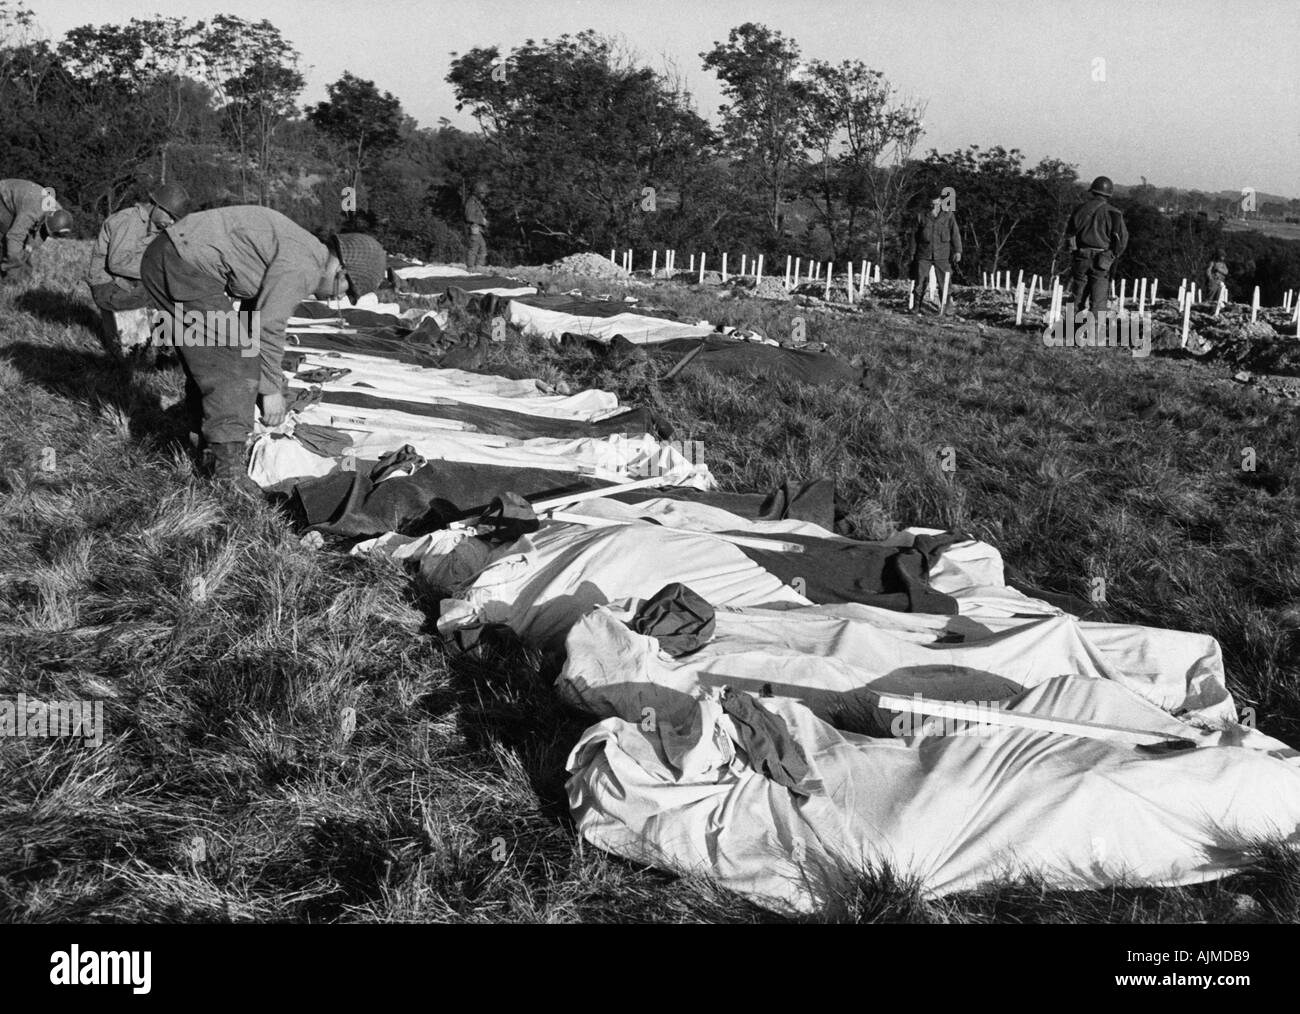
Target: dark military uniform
{"points": [[1098, 236]]}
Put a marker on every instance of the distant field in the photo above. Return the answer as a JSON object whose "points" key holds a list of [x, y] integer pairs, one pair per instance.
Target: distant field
{"points": [[1282, 230]]}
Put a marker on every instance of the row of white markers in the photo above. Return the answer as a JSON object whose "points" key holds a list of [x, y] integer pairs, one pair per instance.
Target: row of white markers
{"points": [[1187, 295], [796, 273]]}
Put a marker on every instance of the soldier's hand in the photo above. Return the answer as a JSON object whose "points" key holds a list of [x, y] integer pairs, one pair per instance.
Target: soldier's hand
{"points": [[103, 295], [956, 258], [273, 410], [15, 271]]}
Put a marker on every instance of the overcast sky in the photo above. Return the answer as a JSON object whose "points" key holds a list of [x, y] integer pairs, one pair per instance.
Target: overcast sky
{"points": [[1196, 93]]}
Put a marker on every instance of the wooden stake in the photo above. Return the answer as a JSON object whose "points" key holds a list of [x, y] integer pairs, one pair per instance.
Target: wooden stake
{"points": [[1020, 279], [654, 262], [830, 267], [1142, 297], [1254, 305], [1123, 286], [758, 272], [546, 506], [1154, 283], [911, 293], [691, 268], [724, 265], [1187, 320], [993, 715], [850, 281], [1020, 307], [932, 286], [701, 267], [595, 521], [743, 259], [787, 271], [947, 275], [685, 361]]}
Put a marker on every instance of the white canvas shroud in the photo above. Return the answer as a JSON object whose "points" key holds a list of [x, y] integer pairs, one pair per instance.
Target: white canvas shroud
{"points": [[636, 328], [954, 811], [275, 464], [949, 812], [545, 582]]}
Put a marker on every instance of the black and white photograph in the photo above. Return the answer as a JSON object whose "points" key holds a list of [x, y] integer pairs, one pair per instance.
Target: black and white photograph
{"points": [[470, 469]]}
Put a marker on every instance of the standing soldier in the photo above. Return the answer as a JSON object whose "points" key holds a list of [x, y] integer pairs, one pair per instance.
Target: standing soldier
{"points": [[254, 254], [114, 273], [1097, 236], [29, 215], [476, 221], [936, 242], [1217, 275]]}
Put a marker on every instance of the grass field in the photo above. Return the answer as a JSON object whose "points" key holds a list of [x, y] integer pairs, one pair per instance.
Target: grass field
{"points": [[1280, 230], [229, 785]]}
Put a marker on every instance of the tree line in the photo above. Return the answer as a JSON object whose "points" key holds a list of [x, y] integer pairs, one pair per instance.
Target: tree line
{"points": [[584, 146]]}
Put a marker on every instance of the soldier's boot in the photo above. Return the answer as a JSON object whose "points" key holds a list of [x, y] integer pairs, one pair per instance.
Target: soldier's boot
{"points": [[229, 467]]}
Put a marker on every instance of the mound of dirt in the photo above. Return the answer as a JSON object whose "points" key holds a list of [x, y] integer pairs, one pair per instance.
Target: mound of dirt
{"points": [[588, 265], [768, 288], [1256, 347]]}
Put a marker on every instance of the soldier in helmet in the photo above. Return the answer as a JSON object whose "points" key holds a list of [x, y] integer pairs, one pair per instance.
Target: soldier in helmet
{"points": [[195, 271], [936, 242], [114, 273], [1097, 236], [476, 221], [29, 215]]}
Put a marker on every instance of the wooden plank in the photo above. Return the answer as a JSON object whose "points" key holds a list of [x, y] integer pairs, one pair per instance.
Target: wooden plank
{"points": [[992, 715], [546, 506], [736, 540]]}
